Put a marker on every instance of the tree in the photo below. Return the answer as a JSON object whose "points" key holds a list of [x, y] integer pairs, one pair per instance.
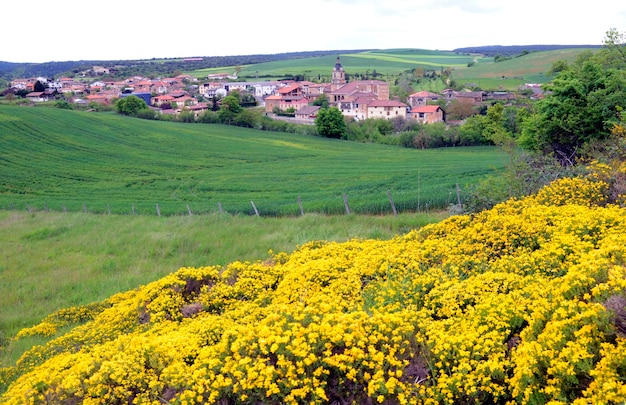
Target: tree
{"points": [[581, 106], [330, 123], [130, 105], [39, 87], [229, 109], [613, 51], [321, 101]]}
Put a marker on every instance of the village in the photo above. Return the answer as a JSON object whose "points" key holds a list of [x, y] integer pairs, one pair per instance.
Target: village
{"points": [[358, 100]]}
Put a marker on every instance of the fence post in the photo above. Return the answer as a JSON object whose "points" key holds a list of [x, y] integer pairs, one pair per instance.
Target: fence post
{"points": [[393, 206], [345, 203], [219, 207], [188, 210], [84, 208], [255, 210], [458, 195], [300, 205], [108, 209], [64, 209], [158, 210], [45, 207], [133, 207]]}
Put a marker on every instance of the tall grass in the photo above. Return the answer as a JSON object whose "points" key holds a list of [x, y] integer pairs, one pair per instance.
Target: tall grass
{"points": [[52, 260]]}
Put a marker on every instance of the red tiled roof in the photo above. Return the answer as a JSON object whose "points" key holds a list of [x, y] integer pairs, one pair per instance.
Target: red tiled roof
{"points": [[425, 109], [288, 88]]}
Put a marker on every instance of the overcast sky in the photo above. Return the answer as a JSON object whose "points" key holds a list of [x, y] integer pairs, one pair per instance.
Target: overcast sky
{"points": [[63, 30]]}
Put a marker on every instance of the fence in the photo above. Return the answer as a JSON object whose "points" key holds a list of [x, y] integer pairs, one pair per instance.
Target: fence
{"points": [[387, 203]]}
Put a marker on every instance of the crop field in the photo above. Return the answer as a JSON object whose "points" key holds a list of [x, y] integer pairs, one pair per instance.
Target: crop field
{"points": [[484, 73], [53, 159], [509, 74], [386, 62]]}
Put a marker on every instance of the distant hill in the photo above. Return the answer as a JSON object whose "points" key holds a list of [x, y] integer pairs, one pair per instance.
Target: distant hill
{"points": [[162, 67], [508, 50]]}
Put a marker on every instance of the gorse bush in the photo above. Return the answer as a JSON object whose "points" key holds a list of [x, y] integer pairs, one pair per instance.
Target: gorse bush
{"points": [[519, 304]]}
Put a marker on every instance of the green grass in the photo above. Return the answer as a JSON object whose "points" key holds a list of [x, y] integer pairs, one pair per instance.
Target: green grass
{"points": [[485, 73], [50, 261], [68, 160], [386, 62], [509, 74]]}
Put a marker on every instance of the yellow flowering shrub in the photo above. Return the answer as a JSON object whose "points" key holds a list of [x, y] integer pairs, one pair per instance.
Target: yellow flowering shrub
{"points": [[521, 304]]}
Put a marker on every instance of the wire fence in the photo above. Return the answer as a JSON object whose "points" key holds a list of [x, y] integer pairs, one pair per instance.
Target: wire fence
{"points": [[385, 203]]}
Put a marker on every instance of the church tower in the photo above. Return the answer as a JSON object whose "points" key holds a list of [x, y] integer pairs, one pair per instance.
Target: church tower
{"points": [[339, 76]]}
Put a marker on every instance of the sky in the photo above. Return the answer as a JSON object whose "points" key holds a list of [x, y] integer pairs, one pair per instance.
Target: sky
{"points": [[70, 30]]}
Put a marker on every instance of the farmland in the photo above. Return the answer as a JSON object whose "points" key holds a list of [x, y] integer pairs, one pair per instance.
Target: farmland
{"points": [[104, 163], [472, 69]]}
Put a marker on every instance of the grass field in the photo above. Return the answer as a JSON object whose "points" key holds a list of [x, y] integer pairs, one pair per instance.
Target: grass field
{"points": [[102, 162], [388, 62], [52, 260], [484, 73]]}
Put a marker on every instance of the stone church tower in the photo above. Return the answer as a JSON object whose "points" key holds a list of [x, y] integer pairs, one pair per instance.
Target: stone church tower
{"points": [[339, 76]]}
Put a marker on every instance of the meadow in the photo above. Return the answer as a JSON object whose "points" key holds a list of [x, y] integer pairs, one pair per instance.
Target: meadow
{"points": [[51, 260], [59, 160]]}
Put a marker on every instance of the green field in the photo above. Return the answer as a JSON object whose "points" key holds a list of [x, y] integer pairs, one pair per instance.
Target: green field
{"points": [[50, 261], [484, 73], [389, 62], [53, 159]]}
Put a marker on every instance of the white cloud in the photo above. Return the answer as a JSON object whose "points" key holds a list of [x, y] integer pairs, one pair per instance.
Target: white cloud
{"points": [[142, 29]]}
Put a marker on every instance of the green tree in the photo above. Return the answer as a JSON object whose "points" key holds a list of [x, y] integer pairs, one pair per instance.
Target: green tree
{"points": [[331, 123], [321, 101], [581, 106], [229, 109], [39, 86], [130, 105], [613, 51]]}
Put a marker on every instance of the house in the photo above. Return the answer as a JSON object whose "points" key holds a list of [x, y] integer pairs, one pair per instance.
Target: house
{"points": [[428, 114], [386, 109], [473, 96], [37, 96], [422, 98], [307, 113], [355, 106], [185, 101], [198, 108], [158, 101]]}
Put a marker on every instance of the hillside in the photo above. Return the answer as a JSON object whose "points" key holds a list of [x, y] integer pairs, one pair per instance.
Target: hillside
{"points": [[533, 67], [522, 304], [103, 162], [513, 50]]}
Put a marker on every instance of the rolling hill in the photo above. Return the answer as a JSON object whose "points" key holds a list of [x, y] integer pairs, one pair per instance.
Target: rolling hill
{"points": [[102, 162]]}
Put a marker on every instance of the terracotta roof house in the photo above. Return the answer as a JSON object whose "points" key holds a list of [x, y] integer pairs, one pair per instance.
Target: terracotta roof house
{"points": [[38, 96], [355, 105], [271, 102], [428, 114], [386, 109], [291, 90], [160, 100], [308, 112]]}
